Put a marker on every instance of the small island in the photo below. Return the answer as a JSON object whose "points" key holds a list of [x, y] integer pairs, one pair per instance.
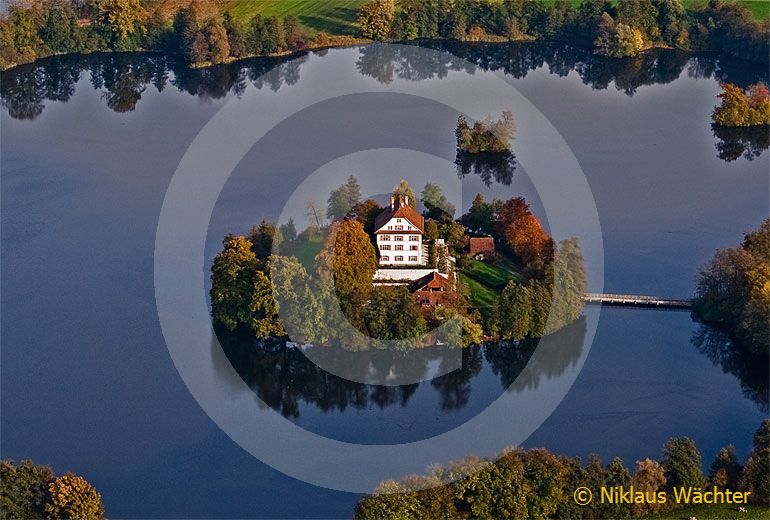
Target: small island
{"points": [[398, 274]]}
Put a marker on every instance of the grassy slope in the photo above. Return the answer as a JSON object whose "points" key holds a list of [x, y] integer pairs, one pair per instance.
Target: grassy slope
{"points": [[338, 17], [716, 512], [335, 17], [486, 281]]}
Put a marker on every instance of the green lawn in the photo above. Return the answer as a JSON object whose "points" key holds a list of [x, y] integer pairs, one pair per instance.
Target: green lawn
{"points": [[493, 276], [338, 17], [486, 282], [716, 512], [335, 17]]}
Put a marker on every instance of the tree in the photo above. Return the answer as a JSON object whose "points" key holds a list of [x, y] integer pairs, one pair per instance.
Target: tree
{"points": [[540, 301], [366, 212], [219, 46], [514, 311], [741, 108], [568, 283], [482, 215], [618, 40], [299, 308], [265, 238], [617, 475], [756, 472], [392, 314], [546, 474], [232, 278], [236, 36], [682, 463], [24, 489], [435, 201], [649, 478], [313, 212], [60, 32], [431, 229], [375, 19], [499, 490], [289, 231], [486, 135], [120, 22], [453, 233], [725, 470], [348, 256], [343, 199], [75, 498], [734, 291], [404, 190]]}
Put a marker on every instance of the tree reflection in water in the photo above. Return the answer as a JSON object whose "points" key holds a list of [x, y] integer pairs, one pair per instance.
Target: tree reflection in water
{"points": [[752, 371], [283, 377], [124, 77], [734, 143]]}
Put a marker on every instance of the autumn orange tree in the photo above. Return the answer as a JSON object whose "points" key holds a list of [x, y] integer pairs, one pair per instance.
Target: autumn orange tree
{"points": [[349, 257], [522, 231], [743, 108]]}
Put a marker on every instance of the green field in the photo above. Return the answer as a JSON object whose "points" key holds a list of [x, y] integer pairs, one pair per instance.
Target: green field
{"points": [[335, 17], [716, 512], [338, 17], [486, 282]]}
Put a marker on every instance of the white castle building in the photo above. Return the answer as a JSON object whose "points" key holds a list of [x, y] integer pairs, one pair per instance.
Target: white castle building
{"points": [[399, 230]]}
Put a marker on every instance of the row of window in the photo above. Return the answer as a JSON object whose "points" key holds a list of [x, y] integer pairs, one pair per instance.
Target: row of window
{"points": [[398, 258], [397, 247], [400, 238]]}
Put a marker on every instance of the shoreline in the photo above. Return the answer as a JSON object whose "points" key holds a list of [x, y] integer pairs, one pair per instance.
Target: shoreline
{"points": [[351, 41]]}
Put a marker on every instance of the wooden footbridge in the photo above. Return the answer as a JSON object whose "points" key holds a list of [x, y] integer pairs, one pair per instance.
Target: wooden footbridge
{"points": [[634, 300]]}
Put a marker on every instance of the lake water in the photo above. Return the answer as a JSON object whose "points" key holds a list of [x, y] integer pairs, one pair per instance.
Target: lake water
{"points": [[89, 147]]}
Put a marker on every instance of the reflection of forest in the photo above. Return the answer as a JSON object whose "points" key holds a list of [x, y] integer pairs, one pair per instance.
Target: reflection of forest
{"points": [[752, 371], [736, 142], [283, 376], [123, 78]]}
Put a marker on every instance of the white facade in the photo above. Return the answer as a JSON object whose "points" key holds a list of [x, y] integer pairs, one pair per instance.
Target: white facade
{"points": [[399, 242]]}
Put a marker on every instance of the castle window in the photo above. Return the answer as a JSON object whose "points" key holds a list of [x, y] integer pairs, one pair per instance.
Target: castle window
{"points": [[399, 248], [385, 258], [399, 258], [412, 258], [414, 248], [399, 238], [385, 247], [413, 238]]}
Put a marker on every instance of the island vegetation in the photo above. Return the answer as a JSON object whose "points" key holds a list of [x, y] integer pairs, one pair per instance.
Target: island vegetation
{"points": [[538, 484], [743, 108], [30, 490], [209, 32], [484, 148], [276, 282], [733, 292]]}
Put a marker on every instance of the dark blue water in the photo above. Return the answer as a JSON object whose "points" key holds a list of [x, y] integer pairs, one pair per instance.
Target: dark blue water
{"points": [[89, 146]]}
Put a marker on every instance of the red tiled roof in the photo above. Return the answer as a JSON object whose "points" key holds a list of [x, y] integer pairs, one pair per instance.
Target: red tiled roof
{"points": [[481, 245], [400, 210], [431, 279]]}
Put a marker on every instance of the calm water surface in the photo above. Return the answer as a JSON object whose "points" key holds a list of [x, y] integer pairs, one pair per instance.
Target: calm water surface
{"points": [[89, 145]]}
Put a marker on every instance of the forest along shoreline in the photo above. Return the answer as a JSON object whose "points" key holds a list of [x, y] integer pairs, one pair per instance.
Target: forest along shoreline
{"points": [[205, 33]]}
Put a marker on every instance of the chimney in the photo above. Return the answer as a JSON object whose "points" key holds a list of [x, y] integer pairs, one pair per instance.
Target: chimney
{"points": [[406, 200], [392, 203]]}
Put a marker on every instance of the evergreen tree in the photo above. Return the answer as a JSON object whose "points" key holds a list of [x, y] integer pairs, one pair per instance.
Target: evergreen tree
{"points": [[682, 463]]}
